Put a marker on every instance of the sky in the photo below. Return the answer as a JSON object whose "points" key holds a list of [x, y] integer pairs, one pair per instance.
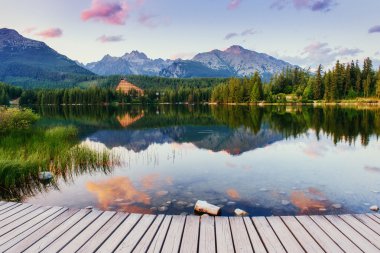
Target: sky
{"points": [[302, 32]]}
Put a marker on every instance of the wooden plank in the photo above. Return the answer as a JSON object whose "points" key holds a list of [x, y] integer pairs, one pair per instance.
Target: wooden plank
{"points": [[224, 242], [240, 235], [256, 242], [83, 237], [97, 240], [147, 239], [159, 239], [362, 229], [374, 217], [286, 237], [207, 238], [8, 205], [58, 243], [2, 203], [43, 231], [369, 221], [18, 215], [130, 242], [377, 215], [335, 234], [174, 236], [302, 236], [9, 212], [269, 238], [319, 235], [190, 235], [22, 220], [119, 234], [20, 233]]}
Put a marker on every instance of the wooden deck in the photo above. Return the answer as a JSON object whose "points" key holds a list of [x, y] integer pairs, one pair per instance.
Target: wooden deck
{"points": [[32, 228]]}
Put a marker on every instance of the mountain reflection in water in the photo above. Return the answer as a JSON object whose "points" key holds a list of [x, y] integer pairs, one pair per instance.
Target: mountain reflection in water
{"points": [[266, 160]]}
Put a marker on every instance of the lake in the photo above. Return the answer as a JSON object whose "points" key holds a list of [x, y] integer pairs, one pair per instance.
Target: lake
{"points": [[272, 160]]}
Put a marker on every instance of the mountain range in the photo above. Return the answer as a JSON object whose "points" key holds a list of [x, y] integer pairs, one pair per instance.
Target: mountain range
{"points": [[32, 63], [25, 61], [234, 61]]}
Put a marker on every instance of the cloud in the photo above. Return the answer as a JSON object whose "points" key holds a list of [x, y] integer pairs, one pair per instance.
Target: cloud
{"points": [[107, 12], [233, 4], [105, 38], [247, 32], [230, 36], [29, 30], [152, 21], [322, 53], [312, 5], [374, 29], [50, 33]]}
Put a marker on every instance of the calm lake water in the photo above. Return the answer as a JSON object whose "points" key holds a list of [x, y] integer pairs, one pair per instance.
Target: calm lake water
{"points": [[265, 160]]}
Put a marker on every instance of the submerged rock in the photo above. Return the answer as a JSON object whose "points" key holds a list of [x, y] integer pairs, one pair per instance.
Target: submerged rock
{"points": [[337, 206], [231, 203], [240, 212], [374, 208], [285, 202], [45, 175], [163, 208], [162, 193]]}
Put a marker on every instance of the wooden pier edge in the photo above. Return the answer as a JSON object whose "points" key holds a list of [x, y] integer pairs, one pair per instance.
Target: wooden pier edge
{"points": [[31, 228]]}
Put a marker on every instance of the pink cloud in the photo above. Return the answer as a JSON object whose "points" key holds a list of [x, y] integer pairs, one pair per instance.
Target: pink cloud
{"points": [[107, 12], [29, 30], [50, 33], [233, 4]]}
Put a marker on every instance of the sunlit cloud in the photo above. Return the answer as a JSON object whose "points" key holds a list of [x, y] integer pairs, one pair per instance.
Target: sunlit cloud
{"points": [[110, 13], [115, 190], [230, 36], [29, 30], [374, 29], [233, 194], [312, 5], [106, 39], [372, 169], [305, 203], [50, 33], [149, 181], [233, 4]]}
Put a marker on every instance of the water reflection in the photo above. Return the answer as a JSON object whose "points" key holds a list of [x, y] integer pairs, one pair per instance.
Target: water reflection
{"points": [[266, 160]]}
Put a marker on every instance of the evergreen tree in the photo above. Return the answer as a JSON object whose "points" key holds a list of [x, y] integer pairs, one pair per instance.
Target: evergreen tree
{"points": [[378, 83], [317, 89], [257, 93]]}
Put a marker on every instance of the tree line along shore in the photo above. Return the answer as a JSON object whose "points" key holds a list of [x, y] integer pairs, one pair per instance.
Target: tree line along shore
{"points": [[344, 83]]}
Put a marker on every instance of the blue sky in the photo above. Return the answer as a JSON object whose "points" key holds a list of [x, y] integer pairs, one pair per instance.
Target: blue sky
{"points": [[303, 32]]}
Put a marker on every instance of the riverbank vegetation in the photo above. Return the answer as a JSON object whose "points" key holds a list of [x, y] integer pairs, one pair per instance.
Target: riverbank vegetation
{"points": [[26, 150]]}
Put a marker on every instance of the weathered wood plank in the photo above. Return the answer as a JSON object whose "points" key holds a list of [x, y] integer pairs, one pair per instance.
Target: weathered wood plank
{"points": [[9, 212], [2, 203], [335, 234], [159, 239], [362, 229], [207, 238], [18, 221], [8, 206], [119, 234], [43, 231], [374, 217], [57, 244], [303, 237], [370, 221], [97, 240], [269, 238], [256, 242], [224, 242], [83, 237], [240, 235], [190, 235], [319, 235], [351, 234], [147, 239], [130, 242], [45, 241], [18, 215], [13, 237], [286, 237], [174, 236]]}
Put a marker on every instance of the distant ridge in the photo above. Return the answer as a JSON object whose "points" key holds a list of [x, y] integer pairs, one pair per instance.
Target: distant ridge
{"points": [[32, 63], [234, 61]]}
